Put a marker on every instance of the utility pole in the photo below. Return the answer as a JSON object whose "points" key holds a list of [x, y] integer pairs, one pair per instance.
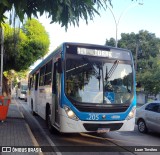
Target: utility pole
{"points": [[136, 58], [2, 47]]}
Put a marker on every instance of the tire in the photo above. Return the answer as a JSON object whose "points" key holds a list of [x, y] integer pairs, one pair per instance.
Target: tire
{"points": [[48, 120], [142, 126], [32, 111]]}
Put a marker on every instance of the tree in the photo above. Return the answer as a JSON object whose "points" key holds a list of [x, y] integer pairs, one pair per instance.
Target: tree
{"points": [[147, 48], [150, 79], [15, 77], [62, 11], [32, 43]]}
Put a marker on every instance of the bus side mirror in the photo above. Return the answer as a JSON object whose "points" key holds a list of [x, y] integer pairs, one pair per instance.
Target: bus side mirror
{"points": [[59, 69]]}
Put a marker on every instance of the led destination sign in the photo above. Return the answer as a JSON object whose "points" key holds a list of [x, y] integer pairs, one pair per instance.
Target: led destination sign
{"points": [[113, 53], [93, 52]]}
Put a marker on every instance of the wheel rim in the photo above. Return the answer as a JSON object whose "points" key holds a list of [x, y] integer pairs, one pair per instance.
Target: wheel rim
{"points": [[141, 126]]}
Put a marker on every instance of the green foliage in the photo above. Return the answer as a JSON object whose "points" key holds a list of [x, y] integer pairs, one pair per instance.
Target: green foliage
{"points": [[128, 41], [23, 47], [110, 42], [150, 79], [147, 42], [15, 77], [62, 11]]}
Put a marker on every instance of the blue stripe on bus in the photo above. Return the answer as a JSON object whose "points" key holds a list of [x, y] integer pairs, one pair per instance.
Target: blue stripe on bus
{"points": [[99, 116]]}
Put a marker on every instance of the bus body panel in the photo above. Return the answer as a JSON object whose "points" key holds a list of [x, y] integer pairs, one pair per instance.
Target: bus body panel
{"points": [[45, 97], [90, 116]]}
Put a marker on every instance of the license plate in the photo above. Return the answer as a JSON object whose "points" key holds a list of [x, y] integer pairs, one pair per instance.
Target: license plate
{"points": [[103, 130]]}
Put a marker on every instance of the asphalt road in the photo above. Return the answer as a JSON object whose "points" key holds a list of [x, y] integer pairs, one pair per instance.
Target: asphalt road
{"points": [[114, 143]]}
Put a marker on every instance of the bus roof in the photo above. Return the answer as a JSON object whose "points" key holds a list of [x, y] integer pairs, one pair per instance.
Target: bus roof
{"points": [[95, 46], [61, 47]]}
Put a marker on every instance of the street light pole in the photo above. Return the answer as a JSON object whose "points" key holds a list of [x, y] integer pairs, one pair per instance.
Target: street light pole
{"points": [[123, 12], [116, 24], [2, 46]]}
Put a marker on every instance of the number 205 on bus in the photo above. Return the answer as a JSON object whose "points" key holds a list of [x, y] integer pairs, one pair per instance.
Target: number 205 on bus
{"points": [[84, 88]]}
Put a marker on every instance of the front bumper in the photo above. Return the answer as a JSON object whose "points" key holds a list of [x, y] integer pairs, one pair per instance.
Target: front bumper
{"points": [[72, 126]]}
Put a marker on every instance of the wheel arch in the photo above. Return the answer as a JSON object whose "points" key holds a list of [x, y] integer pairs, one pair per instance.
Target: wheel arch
{"points": [[139, 120]]}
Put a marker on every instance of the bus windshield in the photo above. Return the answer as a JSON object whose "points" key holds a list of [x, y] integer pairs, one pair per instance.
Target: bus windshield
{"points": [[98, 81]]}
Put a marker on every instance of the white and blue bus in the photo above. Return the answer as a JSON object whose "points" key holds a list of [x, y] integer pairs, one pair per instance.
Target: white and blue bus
{"points": [[85, 88]]}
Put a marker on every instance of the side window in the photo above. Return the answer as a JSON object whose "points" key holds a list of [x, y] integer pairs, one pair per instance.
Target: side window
{"points": [[55, 82], [153, 107], [36, 81], [48, 74], [33, 81], [42, 74]]}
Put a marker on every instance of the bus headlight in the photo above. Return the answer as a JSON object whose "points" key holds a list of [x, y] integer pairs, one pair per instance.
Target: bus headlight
{"points": [[70, 113], [131, 114]]}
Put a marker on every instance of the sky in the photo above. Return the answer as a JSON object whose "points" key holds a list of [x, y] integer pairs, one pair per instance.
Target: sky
{"points": [[132, 17]]}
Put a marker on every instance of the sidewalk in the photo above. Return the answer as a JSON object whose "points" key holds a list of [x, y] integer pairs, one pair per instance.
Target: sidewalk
{"points": [[14, 131]]}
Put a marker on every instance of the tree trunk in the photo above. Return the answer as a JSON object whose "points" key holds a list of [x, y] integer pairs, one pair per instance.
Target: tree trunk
{"points": [[6, 89]]}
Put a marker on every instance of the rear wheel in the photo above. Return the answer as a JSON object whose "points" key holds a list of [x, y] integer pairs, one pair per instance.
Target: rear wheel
{"points": [[32, 111], [142, 126], [48, 119]]}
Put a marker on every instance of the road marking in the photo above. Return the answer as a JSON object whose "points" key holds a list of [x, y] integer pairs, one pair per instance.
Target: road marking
{"points": [[113, 140], [35, 143], [108, 139], [91, 136]]}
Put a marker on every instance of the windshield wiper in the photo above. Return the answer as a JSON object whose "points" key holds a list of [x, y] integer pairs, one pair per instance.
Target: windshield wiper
{"points": [[111, 71]]}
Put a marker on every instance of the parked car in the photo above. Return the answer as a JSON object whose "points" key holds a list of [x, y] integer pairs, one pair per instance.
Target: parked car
{"points": [[22, 90], [148, 117]]}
